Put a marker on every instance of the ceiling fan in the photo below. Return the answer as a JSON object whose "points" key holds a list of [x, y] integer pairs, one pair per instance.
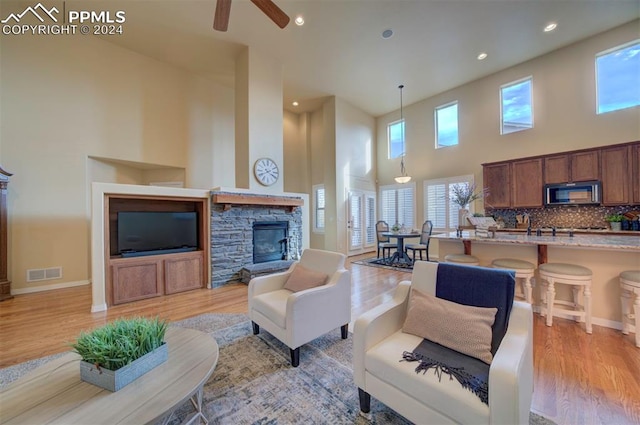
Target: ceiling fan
{"points": [[268, 7]]}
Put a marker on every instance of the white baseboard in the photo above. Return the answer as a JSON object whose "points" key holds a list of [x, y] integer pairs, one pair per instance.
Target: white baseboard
{"points": [[20, 291], [98, 307], [612, 324]]}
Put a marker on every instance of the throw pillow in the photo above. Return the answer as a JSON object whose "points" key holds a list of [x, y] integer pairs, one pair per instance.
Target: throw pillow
{"points": [[463, 328], [302, 278]]}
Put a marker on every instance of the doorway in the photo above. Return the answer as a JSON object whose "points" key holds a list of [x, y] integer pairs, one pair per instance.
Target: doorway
{"points": [[361, 219]]}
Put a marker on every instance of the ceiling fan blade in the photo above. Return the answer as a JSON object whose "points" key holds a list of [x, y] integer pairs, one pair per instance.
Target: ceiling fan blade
{"points": [[272, 11], [221, 17]]}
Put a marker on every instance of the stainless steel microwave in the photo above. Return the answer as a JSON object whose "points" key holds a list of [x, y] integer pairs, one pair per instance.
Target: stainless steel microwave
{"points": [[583, 193]]}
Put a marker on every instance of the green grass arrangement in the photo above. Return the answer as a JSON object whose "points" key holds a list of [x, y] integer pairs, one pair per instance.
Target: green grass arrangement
{"points": [[120, 342]]}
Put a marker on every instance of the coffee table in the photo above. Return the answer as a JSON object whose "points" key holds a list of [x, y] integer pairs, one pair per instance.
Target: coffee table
{"points": [[54, 394]]}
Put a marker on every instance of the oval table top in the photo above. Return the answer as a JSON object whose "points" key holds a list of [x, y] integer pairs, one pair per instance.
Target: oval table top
{"points": [[54, 393]]}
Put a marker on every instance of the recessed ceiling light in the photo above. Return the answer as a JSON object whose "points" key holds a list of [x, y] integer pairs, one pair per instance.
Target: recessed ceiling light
{"points": [[295, 103], [387, 34], [550, 27], [482, 56], [299, 20]]}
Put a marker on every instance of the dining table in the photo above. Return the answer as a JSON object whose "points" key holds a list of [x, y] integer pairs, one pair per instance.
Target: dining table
{"points": [[400, 255]]}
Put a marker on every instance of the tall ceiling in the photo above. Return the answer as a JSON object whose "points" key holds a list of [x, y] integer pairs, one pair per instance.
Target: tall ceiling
{"points": [[340, 50]]}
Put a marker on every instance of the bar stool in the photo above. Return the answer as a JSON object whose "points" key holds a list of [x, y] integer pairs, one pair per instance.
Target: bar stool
{"points": [[630, 285], [524, 271], [567, 274], [467, 260]]}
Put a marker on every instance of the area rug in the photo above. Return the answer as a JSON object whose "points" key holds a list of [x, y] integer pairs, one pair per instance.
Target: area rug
{"points": [[253, 382], [383, 264]]}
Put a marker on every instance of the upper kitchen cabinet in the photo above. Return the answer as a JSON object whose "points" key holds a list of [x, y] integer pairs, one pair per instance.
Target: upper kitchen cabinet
{"points": [[526, 183], [585, 166], [573, 167], [497, 179], [635, 173], [616, 178]]}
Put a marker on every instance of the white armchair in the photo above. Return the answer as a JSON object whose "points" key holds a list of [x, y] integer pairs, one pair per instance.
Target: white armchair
{"points": [[379, 343], [296, 318]]}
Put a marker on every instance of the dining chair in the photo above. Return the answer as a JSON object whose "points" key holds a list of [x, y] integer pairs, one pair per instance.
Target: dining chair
{"points": [[384, 242], [423, 245]]}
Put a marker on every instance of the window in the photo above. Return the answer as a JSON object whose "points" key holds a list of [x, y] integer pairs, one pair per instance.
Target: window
{"points": [[395, 136], [397, 204], [318, 201], [370, 219], [516, 112], [437, 207], [618, 78], [446, 125]]}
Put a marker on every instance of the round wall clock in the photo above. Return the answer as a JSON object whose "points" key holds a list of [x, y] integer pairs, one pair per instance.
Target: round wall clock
{"points": [[266, 171]]}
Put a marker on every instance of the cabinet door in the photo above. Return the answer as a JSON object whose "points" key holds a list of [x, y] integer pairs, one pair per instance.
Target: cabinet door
{"points": [[585, 166], [556, 169], [136, 279], [183, 272], [497, 179], [615, 175], [635, 173], [526, 183]]}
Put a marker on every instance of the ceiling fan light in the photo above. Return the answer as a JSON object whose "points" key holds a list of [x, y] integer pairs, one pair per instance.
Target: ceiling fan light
{"points": [[299, 20]]}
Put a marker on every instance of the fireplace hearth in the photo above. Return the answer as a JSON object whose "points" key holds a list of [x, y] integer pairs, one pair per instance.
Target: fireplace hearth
{"points": [[269, 241]]}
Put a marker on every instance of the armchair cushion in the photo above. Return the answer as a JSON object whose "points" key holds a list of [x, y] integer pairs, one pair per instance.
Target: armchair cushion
{"points": [[302, 278], [466, 329], [480, 287]]}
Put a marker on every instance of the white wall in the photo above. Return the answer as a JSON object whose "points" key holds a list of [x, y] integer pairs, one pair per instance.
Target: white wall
{"points": [[564, 117], [65, 99]]}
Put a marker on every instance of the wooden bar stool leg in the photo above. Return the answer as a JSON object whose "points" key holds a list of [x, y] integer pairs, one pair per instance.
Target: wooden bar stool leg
{"points": [[636, 315], [625, 300], [551, 296], [528, 290], [587, 307]]}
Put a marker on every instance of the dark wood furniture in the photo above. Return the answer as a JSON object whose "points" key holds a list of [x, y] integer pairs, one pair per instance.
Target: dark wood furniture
{"points": [[5, 283], [518, 183], [136, 278]]}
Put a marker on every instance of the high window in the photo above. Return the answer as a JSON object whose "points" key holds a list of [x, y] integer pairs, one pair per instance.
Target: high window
{"points": [[446, 118], [618, 78], [395, 131], [318, 208], [516, 111], [437, 204], [397, 204]]}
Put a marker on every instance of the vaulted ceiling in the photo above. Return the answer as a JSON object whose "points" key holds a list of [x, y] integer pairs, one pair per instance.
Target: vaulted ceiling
{"points": [[340, 50]]}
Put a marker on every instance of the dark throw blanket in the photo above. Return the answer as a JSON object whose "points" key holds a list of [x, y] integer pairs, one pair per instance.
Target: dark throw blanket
{"points": [[471, 373]]}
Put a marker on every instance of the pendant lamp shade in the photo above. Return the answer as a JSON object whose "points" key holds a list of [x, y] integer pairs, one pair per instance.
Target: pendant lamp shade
{"points": [[403, 177]]}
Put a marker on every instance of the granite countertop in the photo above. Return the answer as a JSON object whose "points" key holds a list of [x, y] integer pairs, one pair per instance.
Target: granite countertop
{"points": [[603, 241]]}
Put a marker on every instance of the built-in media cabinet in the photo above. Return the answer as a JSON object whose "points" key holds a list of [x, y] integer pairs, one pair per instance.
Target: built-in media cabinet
{"points": [[155, 246]]}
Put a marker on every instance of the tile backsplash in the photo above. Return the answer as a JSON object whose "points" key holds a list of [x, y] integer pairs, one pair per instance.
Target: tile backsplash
{"points": [[572, 216]]}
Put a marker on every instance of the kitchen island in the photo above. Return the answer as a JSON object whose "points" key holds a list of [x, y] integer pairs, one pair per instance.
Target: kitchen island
{"points": [[605, 254]]}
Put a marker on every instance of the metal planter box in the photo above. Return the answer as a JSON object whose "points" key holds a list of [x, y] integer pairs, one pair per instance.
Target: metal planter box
{"points": [[115, 380]]}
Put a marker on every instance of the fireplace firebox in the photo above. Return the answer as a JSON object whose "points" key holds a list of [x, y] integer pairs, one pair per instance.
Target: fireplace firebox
{"points": [[270, 241]]}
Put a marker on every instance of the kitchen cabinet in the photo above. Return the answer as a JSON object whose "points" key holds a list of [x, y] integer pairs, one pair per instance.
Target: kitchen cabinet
{"points": [[573, 167], [497, 180], [556, 169], [526, 183], [616, 181], [635, 173]]}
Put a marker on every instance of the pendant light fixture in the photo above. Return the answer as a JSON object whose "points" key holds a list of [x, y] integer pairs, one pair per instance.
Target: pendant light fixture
{"points": [[403, 177]]}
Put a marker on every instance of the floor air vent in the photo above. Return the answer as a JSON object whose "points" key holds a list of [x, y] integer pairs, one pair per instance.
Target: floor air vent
{"points": [[35, 275]]}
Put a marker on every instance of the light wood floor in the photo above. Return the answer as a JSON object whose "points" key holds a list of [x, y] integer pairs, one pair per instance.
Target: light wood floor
{"points": [[579, 378]]}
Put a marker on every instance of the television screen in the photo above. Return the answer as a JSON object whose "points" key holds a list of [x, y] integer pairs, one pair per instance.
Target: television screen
{"points": [[156, 230]]}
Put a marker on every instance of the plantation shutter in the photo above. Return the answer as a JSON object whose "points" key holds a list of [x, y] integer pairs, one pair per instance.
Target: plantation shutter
{"points": [[436, 208], [370, 220], [388, 210]]}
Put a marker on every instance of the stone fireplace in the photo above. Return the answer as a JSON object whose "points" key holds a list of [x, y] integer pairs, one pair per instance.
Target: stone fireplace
{"points": [[234, 218]]}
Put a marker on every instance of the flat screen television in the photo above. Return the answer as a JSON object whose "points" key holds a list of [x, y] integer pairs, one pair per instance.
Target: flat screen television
{"points": [[151, 232]]}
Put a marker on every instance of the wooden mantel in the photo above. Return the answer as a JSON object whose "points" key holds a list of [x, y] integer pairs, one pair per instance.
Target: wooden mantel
{"points": [[229, 199]]}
